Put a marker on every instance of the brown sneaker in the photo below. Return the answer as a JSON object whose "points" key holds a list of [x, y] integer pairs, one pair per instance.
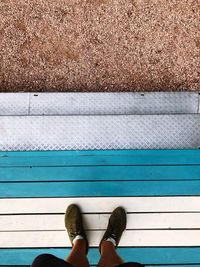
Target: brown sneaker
{"points": [[116, 226], [74, 223]]}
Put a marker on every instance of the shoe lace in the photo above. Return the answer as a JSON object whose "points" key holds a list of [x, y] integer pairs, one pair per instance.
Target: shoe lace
{"points": [[74, 234]]}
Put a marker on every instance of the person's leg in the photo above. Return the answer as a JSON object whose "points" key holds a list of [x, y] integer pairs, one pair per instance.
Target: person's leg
{"points": [[109, 256], [78, 257], [77, 236], [111, 238]]}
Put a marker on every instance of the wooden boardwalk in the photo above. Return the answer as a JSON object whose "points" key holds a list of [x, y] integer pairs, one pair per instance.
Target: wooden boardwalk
{"points": [[160, 189]]}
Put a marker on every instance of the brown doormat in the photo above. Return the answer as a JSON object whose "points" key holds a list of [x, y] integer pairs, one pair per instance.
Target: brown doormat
{"points": [[99, 45]]}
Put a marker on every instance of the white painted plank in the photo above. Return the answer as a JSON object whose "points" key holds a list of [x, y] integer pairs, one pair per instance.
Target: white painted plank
{"points": [[99, 132], [101, 204], [113, 103], [100, 221], [129, 238], [14, 104]]}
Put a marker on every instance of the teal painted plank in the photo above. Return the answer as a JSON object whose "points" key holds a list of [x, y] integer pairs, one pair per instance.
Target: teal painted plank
{"points": [[101, 152], [172, 255], [97, 189], [113, 157], [99, 160], [100, 173]]}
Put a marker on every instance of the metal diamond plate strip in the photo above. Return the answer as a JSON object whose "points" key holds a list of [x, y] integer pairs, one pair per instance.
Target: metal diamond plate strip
{"points": [[97, 103], [99, 132], [14, 103], [113, 103], [199, 105]]}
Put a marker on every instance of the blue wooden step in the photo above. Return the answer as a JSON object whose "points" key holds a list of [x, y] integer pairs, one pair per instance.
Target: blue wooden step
{"points": [[132, 170]]}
